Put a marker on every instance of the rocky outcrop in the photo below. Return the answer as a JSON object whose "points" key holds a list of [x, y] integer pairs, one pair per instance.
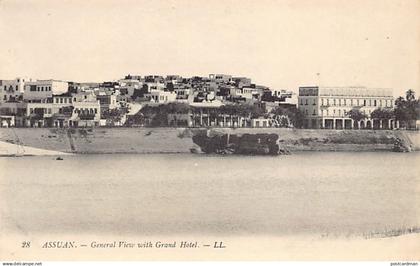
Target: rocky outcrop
{"points": [[247, 144]]}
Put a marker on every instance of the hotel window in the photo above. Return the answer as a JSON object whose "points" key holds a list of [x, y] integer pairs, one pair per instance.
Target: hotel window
{"points": [[374, 103], [364, 102], [334, 102], [314, 112], [328, 101], [322, 102], [306, 101], [61, 100], [314, 102]]}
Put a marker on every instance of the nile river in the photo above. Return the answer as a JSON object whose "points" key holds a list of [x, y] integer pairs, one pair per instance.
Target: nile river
{"points": [[304, 193]]}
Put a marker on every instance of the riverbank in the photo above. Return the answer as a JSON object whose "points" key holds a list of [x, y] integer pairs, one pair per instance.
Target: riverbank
{"points": [[53, 141]]}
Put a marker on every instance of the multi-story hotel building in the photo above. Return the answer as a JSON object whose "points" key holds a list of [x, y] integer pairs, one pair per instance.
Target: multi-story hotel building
{"points": [[328, 107]]}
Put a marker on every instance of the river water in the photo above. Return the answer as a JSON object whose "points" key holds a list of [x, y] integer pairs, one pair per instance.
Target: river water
{"points": [[304, 193]]}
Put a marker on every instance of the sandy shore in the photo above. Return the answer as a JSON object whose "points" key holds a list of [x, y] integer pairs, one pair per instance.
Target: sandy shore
{"points": [[52, 141], [9, 149]]}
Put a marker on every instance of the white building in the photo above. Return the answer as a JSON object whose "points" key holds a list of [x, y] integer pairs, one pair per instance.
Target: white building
{"points": [[42, 89], [328, 107], [86, 114], [12, 90], [159, 96]]}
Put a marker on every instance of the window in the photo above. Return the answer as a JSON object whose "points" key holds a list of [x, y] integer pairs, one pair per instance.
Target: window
{"points": [[364, 102], [314, 112], [334, 103], [306, 101], [314, 102], [374, 103]]}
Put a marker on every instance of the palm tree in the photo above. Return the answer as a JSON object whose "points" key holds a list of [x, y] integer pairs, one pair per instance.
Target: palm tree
{"points": [[400, 101], [410, 95]]}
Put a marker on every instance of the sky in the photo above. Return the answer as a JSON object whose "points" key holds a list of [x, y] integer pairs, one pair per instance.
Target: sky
{"points": [[280, 44]]}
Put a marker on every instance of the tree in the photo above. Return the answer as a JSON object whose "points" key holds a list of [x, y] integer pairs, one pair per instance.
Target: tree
{"points": [[295, 116], [410, 95], [382, 113], [406, 109], [356, 114]]}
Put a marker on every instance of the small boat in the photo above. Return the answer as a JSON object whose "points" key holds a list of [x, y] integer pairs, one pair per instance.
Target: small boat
{"points": [[59, 158]]}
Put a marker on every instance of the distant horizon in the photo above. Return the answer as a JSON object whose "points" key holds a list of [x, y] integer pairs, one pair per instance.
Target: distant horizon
{"points": [[296, 90], [280, 44]]}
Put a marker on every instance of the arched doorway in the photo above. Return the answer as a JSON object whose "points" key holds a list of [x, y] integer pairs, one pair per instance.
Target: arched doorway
{"points": [[355, 124], [369, 124], [362, 124]]}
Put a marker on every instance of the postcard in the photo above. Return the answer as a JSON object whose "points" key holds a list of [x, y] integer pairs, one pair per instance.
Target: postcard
{"points": [[180, 130]]}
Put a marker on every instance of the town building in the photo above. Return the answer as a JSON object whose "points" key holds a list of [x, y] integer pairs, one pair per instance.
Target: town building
{"points": [[12, 90], [328, 107], [160, 96], [35, 91], [85, 114]]}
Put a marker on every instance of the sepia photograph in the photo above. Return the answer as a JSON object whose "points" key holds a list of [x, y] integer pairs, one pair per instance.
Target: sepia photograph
{"points": [[234, 130]]}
